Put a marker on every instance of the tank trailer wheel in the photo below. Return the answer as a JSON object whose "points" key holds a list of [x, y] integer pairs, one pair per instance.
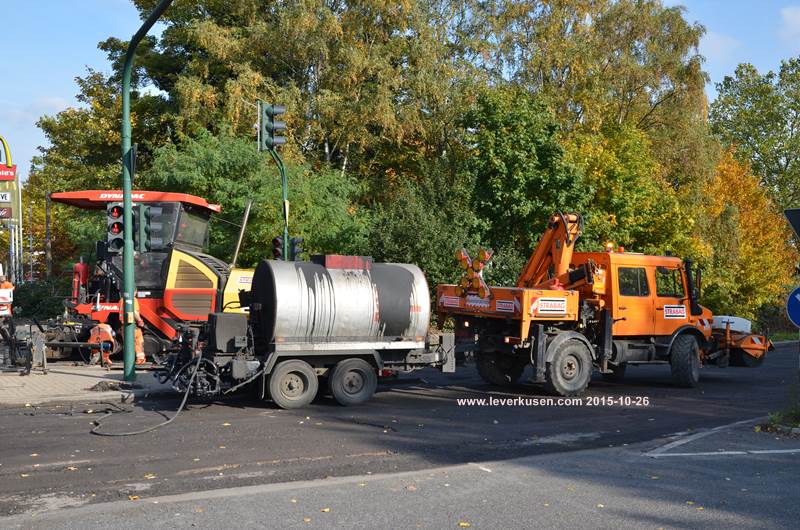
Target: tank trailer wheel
{"points": [[353, 381], [569, 371], [293, 384], [494, 371], [617, 374], [684, 360]]}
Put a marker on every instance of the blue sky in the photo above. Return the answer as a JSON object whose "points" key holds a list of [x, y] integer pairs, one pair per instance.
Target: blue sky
{"points": [[45, 44]]}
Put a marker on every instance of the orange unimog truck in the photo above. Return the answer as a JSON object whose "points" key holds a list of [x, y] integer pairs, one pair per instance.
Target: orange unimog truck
{"points": [[572, 312]]}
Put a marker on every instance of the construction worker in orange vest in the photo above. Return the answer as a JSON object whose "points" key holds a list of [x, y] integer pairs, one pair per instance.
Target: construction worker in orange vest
{"points": [[103, 336], [5, 309], [138, 335]]}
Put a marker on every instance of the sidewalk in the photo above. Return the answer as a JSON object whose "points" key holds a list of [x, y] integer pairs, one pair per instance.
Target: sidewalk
{"points": [[74, 383]]}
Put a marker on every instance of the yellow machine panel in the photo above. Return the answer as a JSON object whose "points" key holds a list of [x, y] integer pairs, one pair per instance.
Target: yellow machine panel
{"points": [[239, 280]]}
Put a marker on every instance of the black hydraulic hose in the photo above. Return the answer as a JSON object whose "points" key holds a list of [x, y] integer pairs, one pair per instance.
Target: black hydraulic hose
{"points": [[96, 428]]}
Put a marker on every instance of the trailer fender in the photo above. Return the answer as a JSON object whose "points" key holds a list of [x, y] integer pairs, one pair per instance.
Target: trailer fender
{"points": [[563, 336], [276, 357], [663, 348]]}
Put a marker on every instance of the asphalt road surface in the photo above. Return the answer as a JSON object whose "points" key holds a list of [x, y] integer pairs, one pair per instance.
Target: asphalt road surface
{"points": [[48, 459]]}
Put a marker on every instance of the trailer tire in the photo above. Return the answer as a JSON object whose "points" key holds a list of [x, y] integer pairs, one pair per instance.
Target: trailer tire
{"points": [[353, 382], [492, 370], [684, 360], [569, 370], [293, 384]]}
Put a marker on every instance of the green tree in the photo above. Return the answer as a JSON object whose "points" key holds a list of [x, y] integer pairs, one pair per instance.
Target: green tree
{"points": [[629, 203], [228, 171], [759, 115], [518, 168]]}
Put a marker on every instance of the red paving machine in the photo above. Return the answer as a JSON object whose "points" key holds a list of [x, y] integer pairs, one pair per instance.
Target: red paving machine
{"points": [[177, 283]]}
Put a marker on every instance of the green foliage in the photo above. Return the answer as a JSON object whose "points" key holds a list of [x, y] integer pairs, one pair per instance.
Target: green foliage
{"points": [[759, 115], [426, 223], [228, 171], [629, 203], [416, 128], [42, 299], [518, 167]]}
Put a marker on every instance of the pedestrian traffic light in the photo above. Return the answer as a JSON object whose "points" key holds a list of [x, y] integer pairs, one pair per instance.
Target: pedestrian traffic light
{"points": [[116, 232], [271, 129], [295, 248], [147, 229], [277, 248]]}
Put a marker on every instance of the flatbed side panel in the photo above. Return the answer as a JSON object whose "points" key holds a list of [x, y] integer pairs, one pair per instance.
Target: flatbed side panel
{"points": [[525, 305]]}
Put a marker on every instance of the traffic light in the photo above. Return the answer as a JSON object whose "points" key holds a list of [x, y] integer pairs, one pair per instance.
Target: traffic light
{"points": [[277, 248], [116, 232], [146, 229], [271, 129], [295, 248]]}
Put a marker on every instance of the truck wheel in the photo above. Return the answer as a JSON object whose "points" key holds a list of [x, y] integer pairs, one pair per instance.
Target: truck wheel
{"points": [[293, 384], [353, 382], [684, 359], [617, 374], [569, 371], [494, 371]]}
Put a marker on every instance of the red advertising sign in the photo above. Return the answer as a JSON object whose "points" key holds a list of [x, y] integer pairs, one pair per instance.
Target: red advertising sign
{"points": [[8, 172], [5, 213]]}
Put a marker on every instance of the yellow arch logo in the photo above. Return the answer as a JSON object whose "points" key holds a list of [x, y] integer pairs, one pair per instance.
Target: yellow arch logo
{"points": [[8, 171]]}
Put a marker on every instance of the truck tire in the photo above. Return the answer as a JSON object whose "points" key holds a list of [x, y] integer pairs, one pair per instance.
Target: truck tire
{"points": [[353, 381], [570, 369], [617, 374], [493, 369], [293, 384], [684, 360]]}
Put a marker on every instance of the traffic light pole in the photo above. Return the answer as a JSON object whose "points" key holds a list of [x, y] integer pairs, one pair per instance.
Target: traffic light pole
{"points": [[128, 280], [285, 186]]}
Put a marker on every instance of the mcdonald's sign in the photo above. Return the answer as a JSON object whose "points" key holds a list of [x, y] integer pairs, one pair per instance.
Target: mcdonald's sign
{"points": [[8, 171]]}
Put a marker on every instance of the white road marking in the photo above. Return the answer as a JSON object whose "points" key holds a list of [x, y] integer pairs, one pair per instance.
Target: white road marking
{"points": [[733, 453], [661, 452]]}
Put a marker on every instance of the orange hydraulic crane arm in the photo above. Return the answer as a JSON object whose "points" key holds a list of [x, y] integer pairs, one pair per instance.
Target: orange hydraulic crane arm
{"points": [[553, 252]]}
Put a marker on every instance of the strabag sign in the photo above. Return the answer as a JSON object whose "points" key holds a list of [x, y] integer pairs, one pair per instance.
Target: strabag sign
{"points": [[549, 306], [675, 311]]}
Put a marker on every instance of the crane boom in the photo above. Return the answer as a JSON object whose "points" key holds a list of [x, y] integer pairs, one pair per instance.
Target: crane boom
{"points": [[553, 253]]}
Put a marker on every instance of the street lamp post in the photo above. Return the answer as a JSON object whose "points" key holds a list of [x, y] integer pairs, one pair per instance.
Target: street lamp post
{"points": [[128, 280]]}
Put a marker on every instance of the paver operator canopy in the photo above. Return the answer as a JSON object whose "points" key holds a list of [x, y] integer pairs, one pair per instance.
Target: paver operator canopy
{"points": [[177, 282]]}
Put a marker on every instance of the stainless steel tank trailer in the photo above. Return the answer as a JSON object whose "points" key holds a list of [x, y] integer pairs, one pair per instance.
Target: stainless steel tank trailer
{"points": [[334, 321]]}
